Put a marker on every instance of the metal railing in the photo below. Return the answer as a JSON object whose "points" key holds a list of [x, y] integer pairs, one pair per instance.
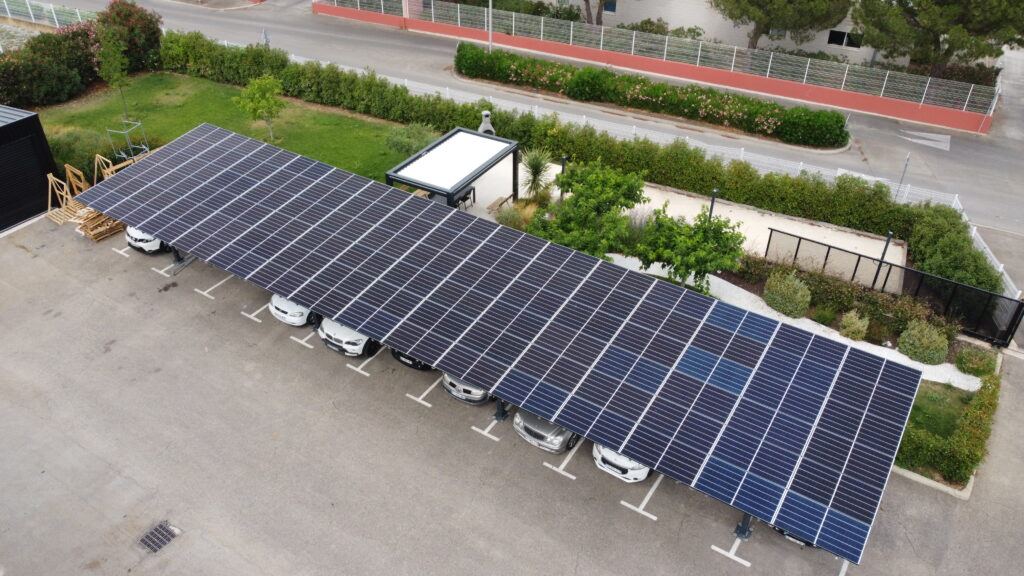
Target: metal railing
{"points": [[46, 14], [768, 63], [987, 315]]}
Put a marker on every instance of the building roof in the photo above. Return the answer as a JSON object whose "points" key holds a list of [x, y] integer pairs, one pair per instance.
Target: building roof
{"points": [[10, 115], [453, 161]]}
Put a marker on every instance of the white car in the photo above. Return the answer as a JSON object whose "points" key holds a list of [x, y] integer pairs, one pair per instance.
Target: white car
{"points": [[623, 468], [291, 313], [345, 340], [143, 242]]}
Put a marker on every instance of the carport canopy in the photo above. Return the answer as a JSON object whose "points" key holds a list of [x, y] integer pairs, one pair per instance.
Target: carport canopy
{"points": [[449, 166]]}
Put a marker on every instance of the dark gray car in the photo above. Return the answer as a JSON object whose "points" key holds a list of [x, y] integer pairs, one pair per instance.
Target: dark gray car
{"points": [[543, 434]]}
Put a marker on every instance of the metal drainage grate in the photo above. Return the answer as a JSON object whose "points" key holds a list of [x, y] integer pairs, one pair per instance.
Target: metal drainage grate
{"points": [[159, 536]]}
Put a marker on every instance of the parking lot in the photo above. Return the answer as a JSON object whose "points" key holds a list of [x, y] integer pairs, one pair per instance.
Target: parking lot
{"points": [[129, 397]]}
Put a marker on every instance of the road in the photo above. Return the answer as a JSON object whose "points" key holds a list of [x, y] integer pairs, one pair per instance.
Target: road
{"points": [[984, 170]]}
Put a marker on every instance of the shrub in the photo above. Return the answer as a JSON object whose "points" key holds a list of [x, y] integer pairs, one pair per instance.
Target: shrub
{"points": [[511, 217], [76, 146], [976, 361], [788, 294], [853, 326], [138, 29], [942, 245], [957, 457], [28, 79], [820, 128], [410, 138], [923, 342], [591, 84], [824, 316], [658, 26]]}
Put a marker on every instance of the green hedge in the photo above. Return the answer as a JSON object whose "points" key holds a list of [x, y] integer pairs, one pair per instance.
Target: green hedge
{"points": [[849, 201], [50, 68], [957, 457], [798, 125]]}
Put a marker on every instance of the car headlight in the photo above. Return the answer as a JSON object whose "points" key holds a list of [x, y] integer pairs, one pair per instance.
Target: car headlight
{"points": [[517, 419], [296, 313], [354, 342]]}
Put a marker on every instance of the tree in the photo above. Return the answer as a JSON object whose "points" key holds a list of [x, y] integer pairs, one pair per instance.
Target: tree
{"points": [[591, 219], [113, 67], [138, 29], [801, 18], [590, 15], [260, 99], [940, 32], [708, 245]]}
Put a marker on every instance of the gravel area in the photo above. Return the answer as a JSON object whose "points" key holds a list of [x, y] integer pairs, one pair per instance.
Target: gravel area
{"points": [[12, 37]]}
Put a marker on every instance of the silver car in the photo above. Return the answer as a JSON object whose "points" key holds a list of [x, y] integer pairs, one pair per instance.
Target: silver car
{"points": [[464, 391], [543, 434]]}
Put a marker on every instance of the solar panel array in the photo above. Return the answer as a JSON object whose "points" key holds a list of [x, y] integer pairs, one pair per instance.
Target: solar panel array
{"points": [[798, 430]]}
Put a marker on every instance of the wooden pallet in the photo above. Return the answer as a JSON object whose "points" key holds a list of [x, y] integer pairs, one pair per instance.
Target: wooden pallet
{"points": [[96, 226], [61, 204]]}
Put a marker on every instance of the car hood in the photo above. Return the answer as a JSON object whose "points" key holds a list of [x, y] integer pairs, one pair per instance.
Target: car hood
{"points": [[139, 234], [339, 331], [539, 424], [282, 303], [617, 459]]}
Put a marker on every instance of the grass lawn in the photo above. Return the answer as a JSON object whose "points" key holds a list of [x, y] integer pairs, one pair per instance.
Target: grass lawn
{"points": [[938, 407], [169, 105]]}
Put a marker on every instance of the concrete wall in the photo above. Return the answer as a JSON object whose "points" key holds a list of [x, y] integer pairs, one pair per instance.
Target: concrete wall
{"points": [[717, 28]]}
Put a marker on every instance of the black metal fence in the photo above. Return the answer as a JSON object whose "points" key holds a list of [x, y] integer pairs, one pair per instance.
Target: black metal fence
{"points": [[986, 315]]}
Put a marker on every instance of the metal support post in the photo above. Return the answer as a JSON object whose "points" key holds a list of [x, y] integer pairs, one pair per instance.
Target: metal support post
{"points": [[700, 47], [925, 95], [570, 33], [458, 15], [542, 28], [968, 100], [807, 70], [771, 58], [501, 411], [711, 209], [732, 67], [845, 74], [79, 14], [515, 174], [600, 43], [8, 10], [490, 25], [878, 270], [632, 47], [664, 55], [743, 530], [884, 83], [906, 164], [358, 5], [381, 6], [513, 23], [56, 23], [30, 14]]}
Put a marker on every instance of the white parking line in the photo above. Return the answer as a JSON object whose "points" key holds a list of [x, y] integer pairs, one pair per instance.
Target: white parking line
{"points": [[253, 315], [487, 431], [845, 566], [731, 552], [207, 291], [365, 362], [163, 272], [421, 397], [303, 340], [646, 499], [561, 467], [123, 251]]}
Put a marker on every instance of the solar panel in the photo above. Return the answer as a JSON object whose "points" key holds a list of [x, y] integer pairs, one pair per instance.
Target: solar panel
{"points": [[796, 429]]}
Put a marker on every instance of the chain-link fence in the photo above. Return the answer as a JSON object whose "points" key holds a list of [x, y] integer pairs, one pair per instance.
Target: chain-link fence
{"points": [[768, 63], [45, 14], [980, 313]]}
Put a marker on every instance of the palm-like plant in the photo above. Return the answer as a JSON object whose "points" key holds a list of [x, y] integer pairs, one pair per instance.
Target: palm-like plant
{"points": [[537, 182]]}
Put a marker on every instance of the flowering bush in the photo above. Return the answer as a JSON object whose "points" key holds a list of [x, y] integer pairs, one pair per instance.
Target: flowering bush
{"points": [[138, 29], [50, 67], [821, 128]]}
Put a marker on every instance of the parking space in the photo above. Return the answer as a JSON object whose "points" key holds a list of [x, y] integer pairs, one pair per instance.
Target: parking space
{"points": [[273, 453]]}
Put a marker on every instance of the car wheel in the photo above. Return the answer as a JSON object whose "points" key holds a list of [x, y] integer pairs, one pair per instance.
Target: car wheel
{"points": [[370, 348], [313, 319], [572, 442]]}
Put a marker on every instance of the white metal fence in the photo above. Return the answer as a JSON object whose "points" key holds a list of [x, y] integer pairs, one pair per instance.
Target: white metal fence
{"points": [[768, 63], [45, 14]]}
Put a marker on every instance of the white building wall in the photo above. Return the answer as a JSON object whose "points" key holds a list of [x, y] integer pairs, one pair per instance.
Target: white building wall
{"points": [[717, 28]]}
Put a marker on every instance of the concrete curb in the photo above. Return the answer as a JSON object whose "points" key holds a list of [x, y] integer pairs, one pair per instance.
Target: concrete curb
{"points": [[684, 123], [249, 4], [961, 494]]}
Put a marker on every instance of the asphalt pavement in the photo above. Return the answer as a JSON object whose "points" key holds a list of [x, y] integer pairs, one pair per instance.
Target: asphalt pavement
{"points": [[984, 170]]}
